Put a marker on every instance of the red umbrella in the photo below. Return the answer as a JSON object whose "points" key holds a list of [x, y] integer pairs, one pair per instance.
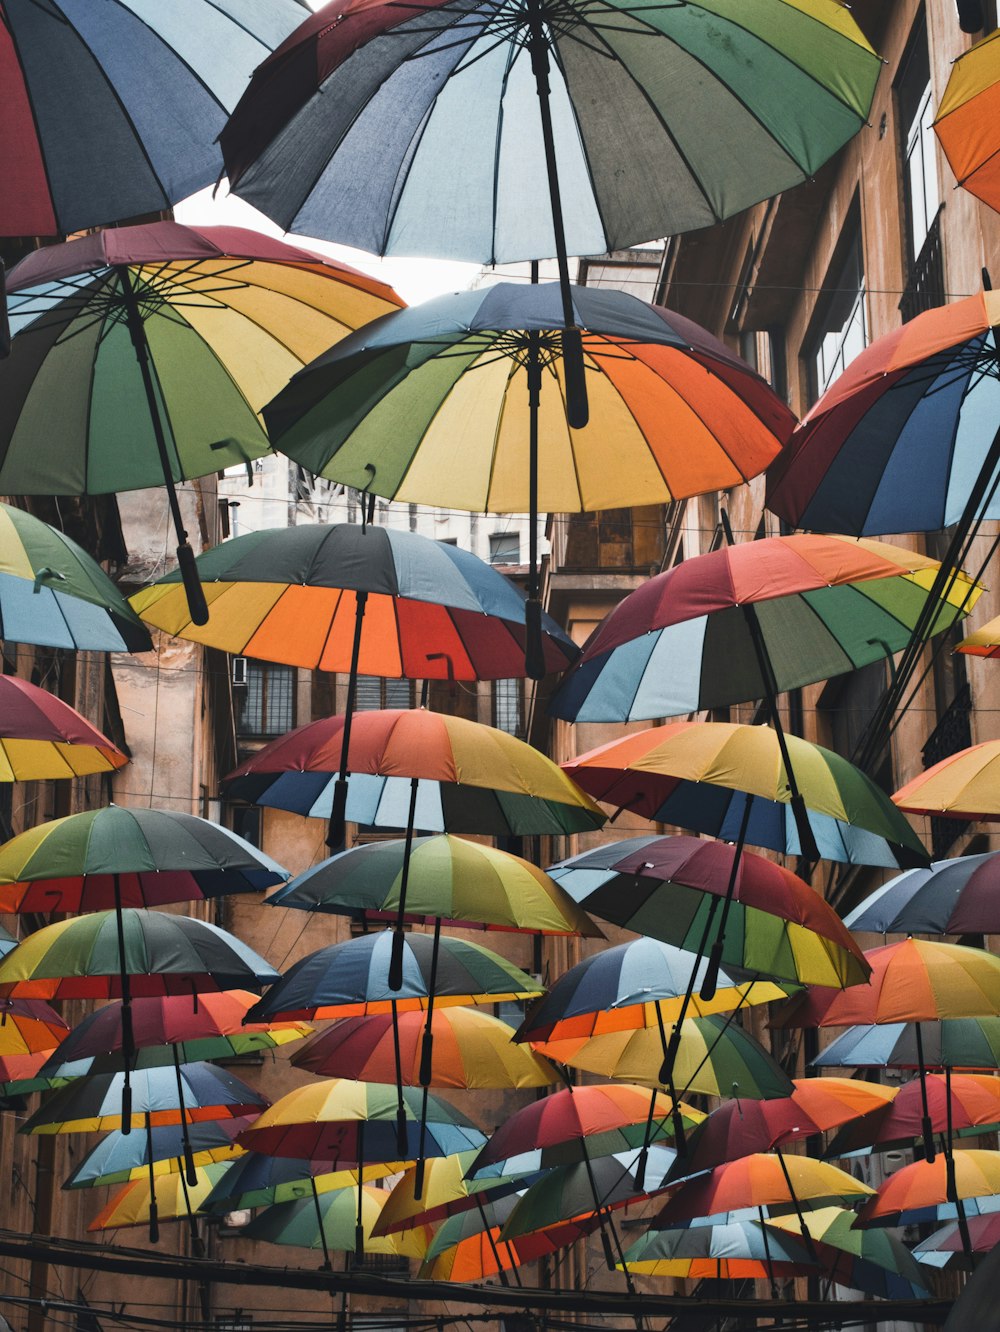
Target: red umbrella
{"points": [[954, 1101], [42, 737], [760, 1180]]}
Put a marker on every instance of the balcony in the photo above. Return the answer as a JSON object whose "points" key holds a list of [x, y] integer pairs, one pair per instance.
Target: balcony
{"points": [[951, 734], [925, 287]]}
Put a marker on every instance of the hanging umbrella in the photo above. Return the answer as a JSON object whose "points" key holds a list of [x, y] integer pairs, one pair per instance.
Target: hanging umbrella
{"points": [[330, 1223], [471, 1050], [950, 897], [118, 1158], [29, 1026], [955, 1102], [468, 1247], [896, 443], [148, 352], [757, 1181], [93, 1104], [684, 641], [943, 1248], [21, 1074], [732, 1252], [918, 1192], [176, 1199], [665, 887], [707, 776], [446, 1191], [449, 878], [7, 945], [715, 1057], [870, 1260], [962, 786], [966, 1043], [966, 120], [56, 595], [114, 113], [256, 1180], [984, 642], [42, 737], [128, 857]]}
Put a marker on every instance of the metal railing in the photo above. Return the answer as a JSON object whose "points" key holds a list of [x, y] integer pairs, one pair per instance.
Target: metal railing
{"points": [[925, 287]]}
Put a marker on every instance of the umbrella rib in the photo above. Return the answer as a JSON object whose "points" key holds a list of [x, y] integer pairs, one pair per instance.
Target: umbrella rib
{"points": [[176, 55]]}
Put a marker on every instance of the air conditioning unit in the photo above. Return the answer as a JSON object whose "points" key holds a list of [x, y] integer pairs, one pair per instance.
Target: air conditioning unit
{"points": [[240, 674]]}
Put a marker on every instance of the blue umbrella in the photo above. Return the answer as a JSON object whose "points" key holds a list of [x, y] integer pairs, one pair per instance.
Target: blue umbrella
{"points": [[118, 1156], [959, 896], [967, 1043]]}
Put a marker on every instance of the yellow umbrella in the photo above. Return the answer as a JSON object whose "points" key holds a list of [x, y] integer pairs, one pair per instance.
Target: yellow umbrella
{"points": [[968, 120], [175, 1199], [984, 642], [964, 786]]}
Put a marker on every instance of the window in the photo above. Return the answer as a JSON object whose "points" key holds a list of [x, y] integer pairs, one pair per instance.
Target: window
{"points": [[841, 328], [507, 706], [374, 691], [916, 116], [505, 548], [266, 703]]}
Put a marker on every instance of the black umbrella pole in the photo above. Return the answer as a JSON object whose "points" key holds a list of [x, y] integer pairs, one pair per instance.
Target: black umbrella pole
{"points": [[951, 1184], [670, 1053], [128, 1037], [337, 832], [197, 605], [154, 1216], [359, 1229], [534, 652], [402, 1137], [767, 1255], [426, 1063], [197, 1244], [319, 1221], [399, 936], [710, 980], [807, 1238], [189, 1167], [492, 1242], [926, 1126]]}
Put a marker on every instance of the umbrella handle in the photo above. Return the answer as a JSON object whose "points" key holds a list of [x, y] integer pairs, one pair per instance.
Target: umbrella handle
{"points": [[193, 590], [577, 406], [337, 831], [426, 1057], [154, 1220], [710, 980], [396, 960]]}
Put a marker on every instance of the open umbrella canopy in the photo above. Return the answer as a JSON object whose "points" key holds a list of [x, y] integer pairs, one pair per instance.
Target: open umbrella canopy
{"points": [[350, 979], [896, 442], [960, 896], [176, 1198], [966, 1043], [340, 1120], [119, 1157], [459, 170], [682, 641], [912, 981], [699, 775], [974, 1101], [947, 1246], [298, 1223], [432, 405], [715, 1057], [293, 595], [94, 1104], [22, 1073], [445, 1191], [258, 1180], [874, 1261], [113, 112], [597, 994], [967, 117], [164, 954], [29, 1026], [962, 786], [663, 887], [758, 1181], [984, 642], [917, 1192], [43, 737], [447, 877], [56, 595], [130, 857], [469, 1247], [728, 1252], [470, 777], [471, 1050]]}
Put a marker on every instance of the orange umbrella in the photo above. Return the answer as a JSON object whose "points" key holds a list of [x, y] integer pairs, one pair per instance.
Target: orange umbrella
{"points": [[968, 120], [965, 786], [760, 1180], [955, 1101], [29, 1026], [929, 1185]]}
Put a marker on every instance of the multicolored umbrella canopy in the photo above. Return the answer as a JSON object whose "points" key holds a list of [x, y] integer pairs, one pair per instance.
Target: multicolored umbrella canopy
{"points": [[468, 1247], [29, 1026], [164, 954], [962, 786], [56, 595], [459, 171], [682, 641], [946, 1245], [471, 1050], [895, 444], [428, 611], [469, 777], [960, 896], [758, 1181], [966, 120], [119, 1157], [967, 1043], [129, 857], [917, 1192], [350, 979], [93, 1104], [111, 114], [445, 1191], [256, 1180], [729, 1252], [340, 1120], [41, 737], [699, 775], [974, 1102], [715, 1057], [984, 642], [175, 1199], [448, 877], [299, 1223], [874, 1261], [664, 886], [22, 1073]]}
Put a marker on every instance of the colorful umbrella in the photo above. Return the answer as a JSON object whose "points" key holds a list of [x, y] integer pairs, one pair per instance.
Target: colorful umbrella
{"points": [[128, 857], [56, 595], [966, 121], [665, 887], [962, 786], [967, 1043], [114, 112], [119, 1158], [21, 1074], [757, 1181], [715, 1057], [41, 737], [918, 1191], [176, 1199], [730, 1252], [29, 1026], [683, 641], [954, 1101], [950, 897], [445, 1192], [255, 1180], [870, 1260], [468, 1247], [148, 352], [709, 776], [330, 1222], [471, 1050], [449, 878], [943, 1247], [984, 642], [896, 443]]}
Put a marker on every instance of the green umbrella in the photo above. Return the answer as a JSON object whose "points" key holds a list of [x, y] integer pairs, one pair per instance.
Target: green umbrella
{"points": [[872, 1260], [329, 1221]]}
